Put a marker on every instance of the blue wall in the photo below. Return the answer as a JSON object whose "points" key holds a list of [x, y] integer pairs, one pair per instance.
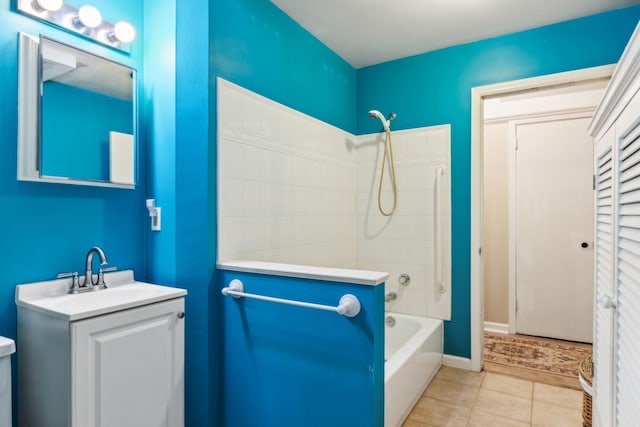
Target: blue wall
{"points": [[435, 88], [48, 228], [292, 366], [74, 143], [179, 178]]}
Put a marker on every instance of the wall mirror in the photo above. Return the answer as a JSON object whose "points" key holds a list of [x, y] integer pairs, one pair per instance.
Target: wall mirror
{"points": [[77, 116]]}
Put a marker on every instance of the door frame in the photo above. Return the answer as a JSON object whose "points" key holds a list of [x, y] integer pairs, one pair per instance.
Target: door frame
{"points": [[477, 127]]}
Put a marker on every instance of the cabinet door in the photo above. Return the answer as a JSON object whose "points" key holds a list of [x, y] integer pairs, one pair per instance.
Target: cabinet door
{"points": [[127, 368]]}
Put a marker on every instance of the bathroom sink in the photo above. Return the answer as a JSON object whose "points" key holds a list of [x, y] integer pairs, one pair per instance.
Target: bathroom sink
{"points": [[123, 292]]}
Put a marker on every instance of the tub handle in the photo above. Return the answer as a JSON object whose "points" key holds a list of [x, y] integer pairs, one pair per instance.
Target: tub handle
{"points": [[349, 304]]}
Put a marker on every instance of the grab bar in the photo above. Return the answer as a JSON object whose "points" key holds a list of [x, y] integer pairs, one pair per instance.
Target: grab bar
{"points": [[349, 304], [440, 285]]}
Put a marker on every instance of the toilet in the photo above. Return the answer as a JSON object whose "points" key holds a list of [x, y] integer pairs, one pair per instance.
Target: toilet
{"points": [[7, 348]]}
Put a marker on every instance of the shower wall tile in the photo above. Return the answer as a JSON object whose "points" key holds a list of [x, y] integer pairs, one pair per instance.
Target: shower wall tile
{"points": [[286, 184], [231, 152]]}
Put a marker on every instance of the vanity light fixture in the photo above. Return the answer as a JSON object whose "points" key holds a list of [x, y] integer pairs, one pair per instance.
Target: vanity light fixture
{"points": [[88, 16], [122, 31], [85, 20]]}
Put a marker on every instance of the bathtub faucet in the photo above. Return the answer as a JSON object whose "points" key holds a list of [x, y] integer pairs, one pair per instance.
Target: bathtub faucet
{"points": [[390, 296]]}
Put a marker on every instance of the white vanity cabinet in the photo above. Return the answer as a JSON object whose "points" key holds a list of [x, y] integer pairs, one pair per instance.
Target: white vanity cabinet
{"points": [[616, 128], [109, 358]]}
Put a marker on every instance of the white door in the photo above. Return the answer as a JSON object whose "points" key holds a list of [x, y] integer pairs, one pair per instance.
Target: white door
{"points": [[554, 229], [128, 368]]}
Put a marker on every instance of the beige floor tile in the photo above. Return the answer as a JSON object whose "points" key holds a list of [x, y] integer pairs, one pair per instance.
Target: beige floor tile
{"points": [[460, 376], [456, 393], [415, 423], [480, 418], [433, 412], [508, 385], [505, 405], [549, 415], [557, 395]]}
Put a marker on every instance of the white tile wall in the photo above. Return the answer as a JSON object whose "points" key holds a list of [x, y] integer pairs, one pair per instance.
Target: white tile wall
{"points": [[404, 242], [286, 184], [292, 189]]}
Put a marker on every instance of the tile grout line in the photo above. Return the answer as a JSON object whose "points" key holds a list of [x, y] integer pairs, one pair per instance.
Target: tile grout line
{"points": [[475, 399], [533, 390]]}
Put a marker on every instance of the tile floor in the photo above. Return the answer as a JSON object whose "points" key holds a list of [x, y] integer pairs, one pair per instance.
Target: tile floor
{"points": [[457, 397]]}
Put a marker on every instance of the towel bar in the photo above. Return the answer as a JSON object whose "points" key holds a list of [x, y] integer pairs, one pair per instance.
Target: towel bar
{"points": [[349, 304]]}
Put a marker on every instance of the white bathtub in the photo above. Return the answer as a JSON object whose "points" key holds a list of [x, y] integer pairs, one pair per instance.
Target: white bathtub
{"points": [[413, 355]]}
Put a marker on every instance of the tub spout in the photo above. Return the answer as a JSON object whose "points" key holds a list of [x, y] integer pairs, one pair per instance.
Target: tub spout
{"points": [[390, 297]]}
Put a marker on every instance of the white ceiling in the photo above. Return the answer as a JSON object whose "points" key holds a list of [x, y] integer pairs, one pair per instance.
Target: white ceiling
{"points": [[367, 32]]}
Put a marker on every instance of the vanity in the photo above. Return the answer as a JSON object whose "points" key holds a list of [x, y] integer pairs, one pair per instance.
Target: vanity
{"points": [[111, 358]]}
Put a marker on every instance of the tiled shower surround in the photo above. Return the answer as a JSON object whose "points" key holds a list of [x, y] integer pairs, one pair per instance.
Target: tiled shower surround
{"points": [[293, 189]]}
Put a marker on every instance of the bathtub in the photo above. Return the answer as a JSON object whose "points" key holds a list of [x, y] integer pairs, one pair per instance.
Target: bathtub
{"points": [[413, 355]]}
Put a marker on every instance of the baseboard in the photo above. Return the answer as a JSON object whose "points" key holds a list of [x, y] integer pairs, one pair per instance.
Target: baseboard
{"points": [[456, 362], [496, 328]]}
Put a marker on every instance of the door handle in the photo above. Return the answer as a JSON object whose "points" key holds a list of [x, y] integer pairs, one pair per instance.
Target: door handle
{"points": [[584, 245]]}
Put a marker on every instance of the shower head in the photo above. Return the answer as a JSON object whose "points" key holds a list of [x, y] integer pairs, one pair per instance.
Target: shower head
{"points": [[375, 114]]}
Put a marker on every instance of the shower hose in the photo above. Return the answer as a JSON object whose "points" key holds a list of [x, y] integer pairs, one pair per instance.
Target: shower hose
{"points": [[388, 157]]}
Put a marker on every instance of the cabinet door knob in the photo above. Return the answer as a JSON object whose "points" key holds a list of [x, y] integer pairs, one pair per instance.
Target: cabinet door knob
{"points": [[584, 245], [608, 302], [181, 315]]}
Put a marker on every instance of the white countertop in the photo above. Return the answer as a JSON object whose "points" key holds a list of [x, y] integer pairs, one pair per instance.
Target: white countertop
{"points": [[7, 346], [123, 292], [360, 277]]}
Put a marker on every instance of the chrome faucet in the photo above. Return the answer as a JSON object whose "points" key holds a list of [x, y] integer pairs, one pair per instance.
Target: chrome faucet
{"points": [[390, 296], [88, 275], [87, 284]]}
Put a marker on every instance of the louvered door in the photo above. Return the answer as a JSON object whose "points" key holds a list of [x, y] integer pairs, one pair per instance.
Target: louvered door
{"points": [[604, 272], [627, 365]]}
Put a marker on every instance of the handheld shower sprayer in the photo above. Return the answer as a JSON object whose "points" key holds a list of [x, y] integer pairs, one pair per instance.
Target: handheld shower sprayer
{"points": [[387, 157], [375, 114]]}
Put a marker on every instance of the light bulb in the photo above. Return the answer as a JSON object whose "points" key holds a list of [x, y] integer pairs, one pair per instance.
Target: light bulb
{"points": [[124, 32], [89, 16], [49, 5]]}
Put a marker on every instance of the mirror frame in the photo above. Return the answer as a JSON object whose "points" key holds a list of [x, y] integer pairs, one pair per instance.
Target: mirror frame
{"points": [[29, 120]]}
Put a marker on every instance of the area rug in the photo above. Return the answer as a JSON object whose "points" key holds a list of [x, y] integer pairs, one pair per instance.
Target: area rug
{"points": [[539, 354]]}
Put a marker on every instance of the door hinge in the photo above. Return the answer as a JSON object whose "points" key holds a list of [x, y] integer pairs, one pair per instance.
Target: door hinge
{"points": [[480, 251], [594, 182], [516, 143], [516, 305]]}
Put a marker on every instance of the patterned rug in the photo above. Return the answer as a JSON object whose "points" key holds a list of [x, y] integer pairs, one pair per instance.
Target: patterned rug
{"points": [[539, 354]]}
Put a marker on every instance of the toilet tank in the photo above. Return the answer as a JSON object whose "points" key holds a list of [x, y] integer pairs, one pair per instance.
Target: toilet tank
{"points": [[7, 348]]}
